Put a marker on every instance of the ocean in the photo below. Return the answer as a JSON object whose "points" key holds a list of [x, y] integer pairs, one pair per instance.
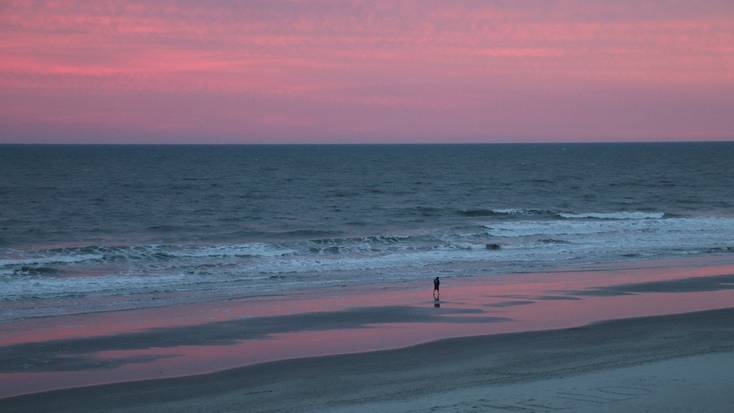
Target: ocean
{"points": [[94, 228]]}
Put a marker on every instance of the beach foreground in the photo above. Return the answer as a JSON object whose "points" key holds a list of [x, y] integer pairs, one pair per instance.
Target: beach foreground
{"points": [[662, 363]]}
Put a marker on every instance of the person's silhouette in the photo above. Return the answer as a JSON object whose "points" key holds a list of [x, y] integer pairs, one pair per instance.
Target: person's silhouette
{"points": [[436, 285]]}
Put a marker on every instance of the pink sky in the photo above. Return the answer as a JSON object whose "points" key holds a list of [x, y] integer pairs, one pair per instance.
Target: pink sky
{"points": [[271, 71]]}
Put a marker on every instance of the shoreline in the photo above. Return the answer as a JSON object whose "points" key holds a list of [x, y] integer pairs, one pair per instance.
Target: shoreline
{"points": [[397, 376], [635, 263], [144, 301]]}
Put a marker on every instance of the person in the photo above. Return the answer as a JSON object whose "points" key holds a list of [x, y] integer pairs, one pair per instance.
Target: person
{"points": [[436, 284]]}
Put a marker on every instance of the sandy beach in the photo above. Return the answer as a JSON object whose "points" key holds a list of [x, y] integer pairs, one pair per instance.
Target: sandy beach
{"points": [[665, 363], [534, 342]]}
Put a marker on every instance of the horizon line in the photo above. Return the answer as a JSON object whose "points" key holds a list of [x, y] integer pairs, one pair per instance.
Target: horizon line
{"points": [[729, 140]]}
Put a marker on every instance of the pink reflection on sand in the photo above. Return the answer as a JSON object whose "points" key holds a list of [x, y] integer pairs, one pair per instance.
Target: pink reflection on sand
{"points": [[410, 293], [514, 297]]}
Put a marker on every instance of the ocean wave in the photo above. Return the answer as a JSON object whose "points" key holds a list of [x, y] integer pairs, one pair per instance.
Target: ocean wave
{"points": [[718, 250], [303, 233], [255, 249], [553, 241], [426, 211], [520, 238], [507, 212], [550, 213], [43, 260], [33, 270], [144, 253], [58, 287], [622, 215], [603, 229], [368, 244]]}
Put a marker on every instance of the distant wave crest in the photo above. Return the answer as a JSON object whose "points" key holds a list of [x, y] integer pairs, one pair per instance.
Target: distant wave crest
{"points": [[506, 212], [614, 215], [549, 213]]}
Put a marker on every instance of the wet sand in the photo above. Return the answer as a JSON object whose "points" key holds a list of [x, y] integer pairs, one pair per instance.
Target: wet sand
{"points": [[663, 363], [538, 343]]}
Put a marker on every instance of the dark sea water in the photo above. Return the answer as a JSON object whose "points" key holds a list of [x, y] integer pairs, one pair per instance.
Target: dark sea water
{"points": [[86, 228]]}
